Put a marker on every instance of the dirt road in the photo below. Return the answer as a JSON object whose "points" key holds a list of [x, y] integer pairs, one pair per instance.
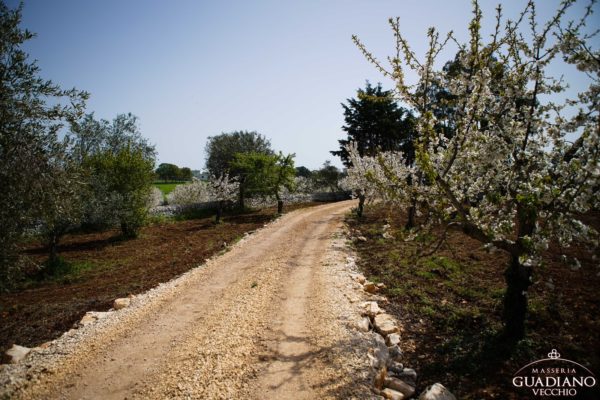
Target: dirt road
{"points": [[267, 319]]}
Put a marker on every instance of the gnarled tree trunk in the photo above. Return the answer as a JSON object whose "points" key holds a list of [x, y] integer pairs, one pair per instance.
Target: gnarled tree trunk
{"points": [[518, 280], [219, 212], [518, 276], [361, 204]]}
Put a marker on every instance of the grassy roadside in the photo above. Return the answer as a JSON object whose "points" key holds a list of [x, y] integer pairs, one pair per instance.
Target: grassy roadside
{"points": [[451, 302]]}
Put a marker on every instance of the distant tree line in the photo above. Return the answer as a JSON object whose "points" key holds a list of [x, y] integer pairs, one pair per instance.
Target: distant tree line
{"points": [[248, 158], [171, 172]]}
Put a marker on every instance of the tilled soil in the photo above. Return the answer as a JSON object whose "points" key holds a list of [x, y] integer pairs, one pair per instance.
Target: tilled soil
{"points": [[269, 319]]}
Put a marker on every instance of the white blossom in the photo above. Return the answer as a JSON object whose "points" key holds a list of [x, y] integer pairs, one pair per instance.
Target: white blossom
{"points": [[508, 171]]}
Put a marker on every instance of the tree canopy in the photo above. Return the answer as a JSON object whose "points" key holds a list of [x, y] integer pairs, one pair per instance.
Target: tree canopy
{"points": [[171, 172], [32, 113], [507, 175], [221, 150], [375, 122], [265, 174]]}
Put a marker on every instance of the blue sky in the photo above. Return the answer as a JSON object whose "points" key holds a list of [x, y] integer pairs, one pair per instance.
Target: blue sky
{"points": [[192, 69]]}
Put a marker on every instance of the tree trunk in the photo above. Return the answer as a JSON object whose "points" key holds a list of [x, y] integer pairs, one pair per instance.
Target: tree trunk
{"points": [[53, 257], [125, 230], [219, 212], [412, 210], [518, 276], [279, 206], [361, 205], [241, 200], [518, 280]]}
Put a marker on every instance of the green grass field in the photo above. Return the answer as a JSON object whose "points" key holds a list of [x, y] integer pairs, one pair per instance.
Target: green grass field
{"points": [[167, 187]]}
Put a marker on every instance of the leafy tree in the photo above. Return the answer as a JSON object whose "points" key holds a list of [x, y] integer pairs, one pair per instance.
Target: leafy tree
{"points": [[327, 176], [507, 176], [92, 139], [185, 174], [303, 172], [222, 149], [171, 172], [32, 112], [284, 173], [90, 136], [168, 172], [125, 177], [63, 204], [375, 123], [265, 174]]}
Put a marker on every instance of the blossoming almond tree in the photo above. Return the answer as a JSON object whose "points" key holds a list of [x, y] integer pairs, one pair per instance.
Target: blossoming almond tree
{"points": [[507, 175], [223, 189]]}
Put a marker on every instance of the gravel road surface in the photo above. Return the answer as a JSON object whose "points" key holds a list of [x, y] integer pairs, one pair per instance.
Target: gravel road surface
{"points": [[270, 318]]}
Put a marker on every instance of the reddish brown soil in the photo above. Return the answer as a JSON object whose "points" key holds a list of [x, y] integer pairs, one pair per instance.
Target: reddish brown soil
{"points": [[46, 309], [451, 306]]}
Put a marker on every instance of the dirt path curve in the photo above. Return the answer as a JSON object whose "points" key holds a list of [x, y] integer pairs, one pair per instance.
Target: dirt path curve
{"points": [[263, 320]]}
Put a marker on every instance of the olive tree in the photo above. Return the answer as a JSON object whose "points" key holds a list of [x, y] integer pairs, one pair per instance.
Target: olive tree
{"points": [[32, 113], [93, 140], [508, 176], [124, 177], [63, 204]]}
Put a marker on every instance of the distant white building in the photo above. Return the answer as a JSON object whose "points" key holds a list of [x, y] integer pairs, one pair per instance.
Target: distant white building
{"points": [[201, 175]]}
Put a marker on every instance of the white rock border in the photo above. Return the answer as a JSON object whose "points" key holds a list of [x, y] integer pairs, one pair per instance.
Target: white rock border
{"points": [[391, 379]]}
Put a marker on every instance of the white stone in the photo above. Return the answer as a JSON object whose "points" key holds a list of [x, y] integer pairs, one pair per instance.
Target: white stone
{"points": [[393, 339], [16, 353], [391, 394], [400, 386], [87, 319], [385, 324], [121, 303], [371, 308], [363, 324], [437, 391], [99, 314], [360, 278], [92, 316]]}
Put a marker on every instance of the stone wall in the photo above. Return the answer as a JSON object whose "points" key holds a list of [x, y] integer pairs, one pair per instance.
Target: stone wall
{"points": [[173, 210]]}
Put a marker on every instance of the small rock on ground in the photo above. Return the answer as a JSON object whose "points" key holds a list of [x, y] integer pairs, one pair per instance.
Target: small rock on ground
{"points": [[363, 324], [393, 339], [121, 303], [391, 394], [385, 324], [371, 308], [16, 353], [399, 386], [370, 287], [437, 391]]}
